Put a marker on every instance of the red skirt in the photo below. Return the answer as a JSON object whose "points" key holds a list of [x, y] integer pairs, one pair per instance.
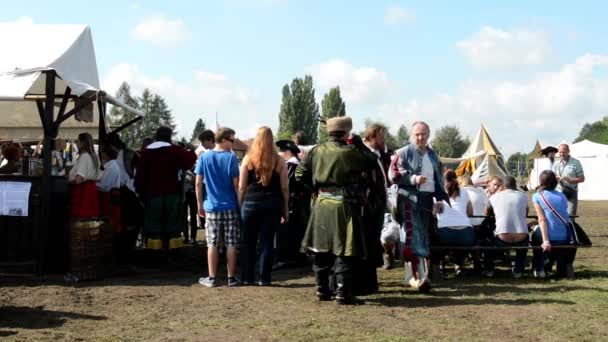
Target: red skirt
{"points": [[84, 201], [110, 207]]}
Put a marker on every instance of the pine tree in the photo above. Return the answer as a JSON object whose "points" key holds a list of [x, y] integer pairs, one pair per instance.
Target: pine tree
{"points": [[119, 116], [299, 110], [331, 106], [199, 127], [164, 113], [151, 120]]}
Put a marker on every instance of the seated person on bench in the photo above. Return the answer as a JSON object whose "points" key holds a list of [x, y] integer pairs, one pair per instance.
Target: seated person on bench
{"points": [[510, 207], [552, 210], [454, 225]]}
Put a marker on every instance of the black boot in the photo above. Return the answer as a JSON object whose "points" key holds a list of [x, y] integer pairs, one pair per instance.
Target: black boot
{"points": [[343, 290], [323, 292]]}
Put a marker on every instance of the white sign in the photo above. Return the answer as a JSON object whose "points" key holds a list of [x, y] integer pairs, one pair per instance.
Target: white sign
{"points": [[14, 198]]}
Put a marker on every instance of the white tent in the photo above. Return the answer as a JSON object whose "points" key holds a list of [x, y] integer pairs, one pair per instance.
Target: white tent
{"points": [[594, 159], [30, 53]]}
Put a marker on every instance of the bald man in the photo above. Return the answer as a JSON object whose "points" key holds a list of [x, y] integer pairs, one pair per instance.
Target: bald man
{"points": [[569, 172], [417, 171]]}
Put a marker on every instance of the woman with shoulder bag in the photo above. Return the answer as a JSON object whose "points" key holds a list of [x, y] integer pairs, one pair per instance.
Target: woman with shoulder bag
{"points": [[553, 229]]}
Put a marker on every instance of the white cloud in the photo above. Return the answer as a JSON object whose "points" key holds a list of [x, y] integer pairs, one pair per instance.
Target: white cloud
{"points": [[491, 48], [22, 21], [161, 31], [357, 84], [552, 106], [205, 76], [201, 96], [396, 15]]}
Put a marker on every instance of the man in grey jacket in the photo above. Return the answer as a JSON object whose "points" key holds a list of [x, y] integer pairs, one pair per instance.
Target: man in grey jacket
{"points": [[417, 171]]}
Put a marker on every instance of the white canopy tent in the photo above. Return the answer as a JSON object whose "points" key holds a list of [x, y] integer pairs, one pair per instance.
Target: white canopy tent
{"points": [[32, 51], [49, 87], [594, 159]]}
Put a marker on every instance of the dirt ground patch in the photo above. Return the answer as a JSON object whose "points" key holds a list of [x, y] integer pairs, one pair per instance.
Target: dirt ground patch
{"points": [[169, 305]]}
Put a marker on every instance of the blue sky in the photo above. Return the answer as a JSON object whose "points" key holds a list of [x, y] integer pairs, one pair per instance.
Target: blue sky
{"points": [[526, 70]]}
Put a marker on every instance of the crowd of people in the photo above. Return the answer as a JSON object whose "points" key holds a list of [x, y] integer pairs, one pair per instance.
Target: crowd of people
{"points": [[347, 203]]}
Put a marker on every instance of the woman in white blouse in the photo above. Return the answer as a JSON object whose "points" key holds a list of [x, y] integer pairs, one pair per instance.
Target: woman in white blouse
{"points": [[83, 177], [454, 225]]}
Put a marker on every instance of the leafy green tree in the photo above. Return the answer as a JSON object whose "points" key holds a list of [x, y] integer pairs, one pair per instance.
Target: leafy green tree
{"points": [[299, 110], [331, 107], [448, 142], [119, 116], [199, 127], [596, 132]]}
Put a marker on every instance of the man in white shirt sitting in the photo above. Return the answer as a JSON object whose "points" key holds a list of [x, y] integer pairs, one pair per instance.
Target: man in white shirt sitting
{"points": [[510, 207]]}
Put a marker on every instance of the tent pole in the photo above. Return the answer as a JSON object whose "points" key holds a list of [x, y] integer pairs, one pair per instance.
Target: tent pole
{"points": [[50, 131]]}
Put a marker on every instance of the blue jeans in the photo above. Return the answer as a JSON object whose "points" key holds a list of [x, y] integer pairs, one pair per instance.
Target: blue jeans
{"points": [[259, 224], [456, 237], [563, 257], [520, 255]]}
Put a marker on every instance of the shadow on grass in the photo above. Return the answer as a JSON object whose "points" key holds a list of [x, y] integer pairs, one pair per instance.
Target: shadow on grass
{"points": [[37, 318], [491, 287], [429, 301]]}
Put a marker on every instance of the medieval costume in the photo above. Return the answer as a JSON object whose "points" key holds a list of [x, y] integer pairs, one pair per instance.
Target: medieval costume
{"points": [[337, 172], [289, 235], [364, 274], [415, 205], [157, 182], [84, 198]]}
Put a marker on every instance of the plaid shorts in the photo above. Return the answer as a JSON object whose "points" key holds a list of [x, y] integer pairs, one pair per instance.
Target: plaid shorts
{"points": [[223, 225]]}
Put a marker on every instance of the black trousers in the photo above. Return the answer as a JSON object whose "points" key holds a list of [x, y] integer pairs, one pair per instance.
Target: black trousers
{"points": [[342, 268]]}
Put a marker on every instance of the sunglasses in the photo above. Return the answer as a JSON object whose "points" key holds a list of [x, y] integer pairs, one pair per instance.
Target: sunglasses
{"points": [[231, 140]]}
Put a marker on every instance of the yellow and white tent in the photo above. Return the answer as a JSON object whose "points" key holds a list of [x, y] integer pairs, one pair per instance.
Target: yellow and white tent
{"points": [[482, 159]]}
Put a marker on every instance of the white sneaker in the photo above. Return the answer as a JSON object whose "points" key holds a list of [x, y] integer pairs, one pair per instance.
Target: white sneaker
{"points": [[539, 274], [208, 281]]}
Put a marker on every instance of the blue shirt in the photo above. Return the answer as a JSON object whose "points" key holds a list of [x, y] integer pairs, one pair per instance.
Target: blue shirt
{"points": [[218, 168], [556, 228]]}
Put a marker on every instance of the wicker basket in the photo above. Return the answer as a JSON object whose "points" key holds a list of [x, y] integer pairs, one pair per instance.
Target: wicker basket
{"points": [[91, 249]]}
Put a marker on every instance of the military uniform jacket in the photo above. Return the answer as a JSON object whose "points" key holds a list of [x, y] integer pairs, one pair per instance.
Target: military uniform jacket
{"points": [[338, 173]]}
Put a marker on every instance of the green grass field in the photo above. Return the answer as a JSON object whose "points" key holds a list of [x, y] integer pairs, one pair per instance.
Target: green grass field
{"points": [[161, 306]]}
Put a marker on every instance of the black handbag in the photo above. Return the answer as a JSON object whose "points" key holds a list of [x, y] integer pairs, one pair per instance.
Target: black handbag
{"points": [[576, 234]]}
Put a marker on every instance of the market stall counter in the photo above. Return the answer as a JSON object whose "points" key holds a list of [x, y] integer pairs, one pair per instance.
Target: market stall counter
{"points": [[20, 219]]}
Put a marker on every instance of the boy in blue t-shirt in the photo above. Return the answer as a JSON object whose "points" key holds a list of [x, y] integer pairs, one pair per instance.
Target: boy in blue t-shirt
{"points": [[220, 170]]}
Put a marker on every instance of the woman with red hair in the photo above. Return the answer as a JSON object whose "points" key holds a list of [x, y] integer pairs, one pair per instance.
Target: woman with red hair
{"points": [[11, 152], [263, 197]]}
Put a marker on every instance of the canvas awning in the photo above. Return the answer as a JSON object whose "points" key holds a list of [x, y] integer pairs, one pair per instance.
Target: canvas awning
{"points": [[32, 50]]}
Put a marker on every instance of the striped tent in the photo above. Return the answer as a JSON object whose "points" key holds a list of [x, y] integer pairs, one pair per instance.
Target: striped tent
{"points": [[482, 159]]}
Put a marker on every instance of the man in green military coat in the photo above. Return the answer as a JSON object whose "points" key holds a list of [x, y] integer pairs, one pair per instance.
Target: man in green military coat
{"points": [[337, 173]]}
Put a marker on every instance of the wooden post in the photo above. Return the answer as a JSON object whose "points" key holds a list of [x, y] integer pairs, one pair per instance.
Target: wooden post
{"points": [[50, 132]]}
